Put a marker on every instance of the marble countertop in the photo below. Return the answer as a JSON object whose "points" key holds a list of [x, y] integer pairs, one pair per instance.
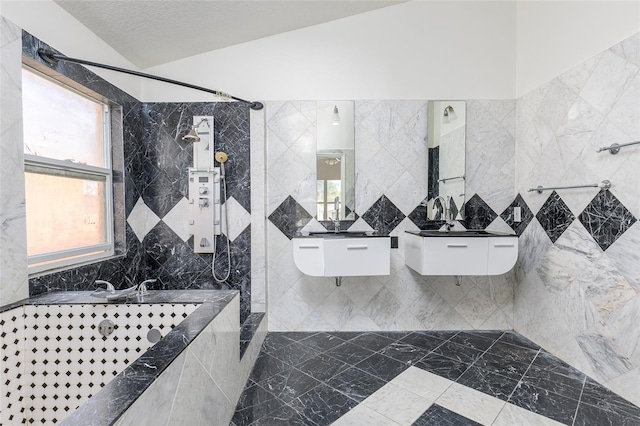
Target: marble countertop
{"points": [[471, 233]]}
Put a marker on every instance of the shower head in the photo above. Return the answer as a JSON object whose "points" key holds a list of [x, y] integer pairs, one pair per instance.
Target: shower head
{"points": [[192, 135]]}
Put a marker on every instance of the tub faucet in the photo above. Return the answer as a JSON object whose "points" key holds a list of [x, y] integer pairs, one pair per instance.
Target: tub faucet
{"points": [[142, 288], [107, 283]]}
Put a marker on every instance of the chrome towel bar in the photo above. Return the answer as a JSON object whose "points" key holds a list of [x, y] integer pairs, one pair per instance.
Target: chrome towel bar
{"points": [[604, 185], [614, 148]]}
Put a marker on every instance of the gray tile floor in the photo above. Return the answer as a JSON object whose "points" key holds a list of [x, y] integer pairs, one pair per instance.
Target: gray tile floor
{"points": [[318, 378]]}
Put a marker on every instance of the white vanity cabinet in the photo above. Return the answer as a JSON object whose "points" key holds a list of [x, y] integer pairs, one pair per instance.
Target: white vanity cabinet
{"points": [[342, 256], [454, 253]]}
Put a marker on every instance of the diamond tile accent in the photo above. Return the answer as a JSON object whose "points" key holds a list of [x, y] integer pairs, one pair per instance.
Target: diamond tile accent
{"points": [[289, 217], [178, 219], [383, 215], [554, 216], [606, 219], [526, 215], [477, 214], [239, 218], [142, 219]]}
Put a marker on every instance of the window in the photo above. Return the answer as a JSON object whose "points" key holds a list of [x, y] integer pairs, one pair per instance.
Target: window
{"points": [[68, 182]]}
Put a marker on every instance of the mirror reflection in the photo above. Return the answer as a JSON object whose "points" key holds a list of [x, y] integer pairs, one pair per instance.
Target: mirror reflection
{"points": [[446, 143], [335, 161]]}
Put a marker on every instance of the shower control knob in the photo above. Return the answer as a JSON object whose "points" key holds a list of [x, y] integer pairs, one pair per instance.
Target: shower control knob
{"points": [[203, 190]]}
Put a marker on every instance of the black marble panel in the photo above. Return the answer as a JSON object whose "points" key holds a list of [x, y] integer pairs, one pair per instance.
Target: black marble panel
{"points": [[381, 366], [567, 386], [267, 366], [405, 352], [322, 367], [545, 403], [525, 213], [283, 416], [599, 396], [473, 341], [356, 384], [290, 217], [321, 341], [383, 216], [548, 362], [588, 415], [518, 340], [254, 403], [289, 384], [349, 353], [322, 405], [554, 216], [484, 381], [509, 353], [606, 219], [510, 369], [275, 341], [433, 169], [294, 354], [423, 340], [371, 341], [458, 352], [442, 366], [477, 214], [440, 416]]}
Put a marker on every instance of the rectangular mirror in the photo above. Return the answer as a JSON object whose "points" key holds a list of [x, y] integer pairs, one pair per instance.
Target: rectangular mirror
{"points": [[446, 168], [335, 160]]}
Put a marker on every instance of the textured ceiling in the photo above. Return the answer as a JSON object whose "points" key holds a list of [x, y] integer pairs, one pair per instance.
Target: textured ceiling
{"points": [[150, 33]]}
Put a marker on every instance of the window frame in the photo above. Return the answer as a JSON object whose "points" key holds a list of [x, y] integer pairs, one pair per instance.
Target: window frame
{"points": [[69, 258]]}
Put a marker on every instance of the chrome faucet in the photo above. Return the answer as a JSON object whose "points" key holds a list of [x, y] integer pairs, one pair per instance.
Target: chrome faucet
{"points": [[446, 212], [142, 288], [336, 224]]}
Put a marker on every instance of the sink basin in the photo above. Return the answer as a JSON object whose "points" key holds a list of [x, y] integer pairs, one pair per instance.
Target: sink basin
{"points": [[339, 234], [467, 233]]}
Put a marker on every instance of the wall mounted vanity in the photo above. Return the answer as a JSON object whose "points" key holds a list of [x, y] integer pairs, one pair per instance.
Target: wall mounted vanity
{"points": [[460, 252]]}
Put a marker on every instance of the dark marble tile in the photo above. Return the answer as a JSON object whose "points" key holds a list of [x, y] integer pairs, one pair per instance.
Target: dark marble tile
{"points": [[294, 354], [267, 366], [349, 353], [404, 352], [554, 216], [440, 416], [419, 216], [393, 335], [545, 403], [442, 366], [322, 367], [321, 341], [381, 366], [489, 383], [383, 216], [345, 335], [589, 415], [509, 353], [525, 212], [289, 384], [290, 217], [568, 386], [477, 214], [599, 396], [472, 341], [606, 219], [254, 403], [486, 334], [518, 340], [373, 342], [298, 335], [423, 341], [284, 416], [322, 405], [458, 352], [494, 364], [433, 169], [546, 361], [356, 384]]}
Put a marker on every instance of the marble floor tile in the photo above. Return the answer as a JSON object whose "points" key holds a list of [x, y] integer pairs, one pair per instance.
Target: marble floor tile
{"points": [[381, 366], [512, 415], [322, 367], [471, 403], [397, 403], [323, 405], [442, 366], [437, 415], [489, 383], [362, 415], [544, 402], [423, 340], [356, 384], [349, 353], [371, 341], [427, 385]]}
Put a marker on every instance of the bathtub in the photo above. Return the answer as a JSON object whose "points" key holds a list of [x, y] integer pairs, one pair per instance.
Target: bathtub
{"points": [[59, 369]]}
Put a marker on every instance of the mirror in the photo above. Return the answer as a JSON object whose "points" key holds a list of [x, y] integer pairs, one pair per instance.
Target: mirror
{"points": [[446, 168], [335, 161]]}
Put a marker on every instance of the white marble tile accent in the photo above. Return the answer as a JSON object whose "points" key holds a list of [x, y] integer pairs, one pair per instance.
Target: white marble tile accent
{"points": [[237, 217], [288, 123], [13, 252], [625, 255], [362, 415], [420, 382], [471, 403], [397, 403], [627, 384], [142, 219], [625, 113], [178, 219], [609, 79], [476, 307], [513, 415]]}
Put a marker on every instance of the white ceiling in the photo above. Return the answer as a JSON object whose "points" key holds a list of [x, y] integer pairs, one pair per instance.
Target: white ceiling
{"points": [[153, 32]]}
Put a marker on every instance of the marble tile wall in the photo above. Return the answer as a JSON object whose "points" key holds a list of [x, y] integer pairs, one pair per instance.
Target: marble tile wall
{"points": [[151, 176], [578, 292], [391, 182], [13, 260], [205, 381]]}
